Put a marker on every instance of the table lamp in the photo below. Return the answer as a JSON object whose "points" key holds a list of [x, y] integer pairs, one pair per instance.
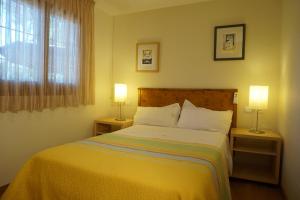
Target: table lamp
{"points": [[258, 100], [120, 97]]}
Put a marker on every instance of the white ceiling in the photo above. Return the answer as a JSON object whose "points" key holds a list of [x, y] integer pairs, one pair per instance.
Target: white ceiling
{"points": [[118, 7]]}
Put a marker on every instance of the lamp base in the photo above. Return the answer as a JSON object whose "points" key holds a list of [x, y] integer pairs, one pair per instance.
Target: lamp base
{"points": [[120, 117], [256, 131]]}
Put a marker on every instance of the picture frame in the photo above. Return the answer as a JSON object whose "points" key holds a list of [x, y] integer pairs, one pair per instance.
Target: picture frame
{"points": [[229, 42], [147, 57]]}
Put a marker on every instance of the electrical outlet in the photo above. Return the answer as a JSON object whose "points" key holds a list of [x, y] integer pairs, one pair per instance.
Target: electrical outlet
{"points": [[235, 98]]}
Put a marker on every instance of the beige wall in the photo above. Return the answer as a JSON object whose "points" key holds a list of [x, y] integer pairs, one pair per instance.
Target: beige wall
{"points": [[24, 133], [290, 98], [186, 37]]}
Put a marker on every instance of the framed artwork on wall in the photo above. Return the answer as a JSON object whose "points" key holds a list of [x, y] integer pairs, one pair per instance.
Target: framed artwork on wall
{"points": [[230, 42], [147, 57]]}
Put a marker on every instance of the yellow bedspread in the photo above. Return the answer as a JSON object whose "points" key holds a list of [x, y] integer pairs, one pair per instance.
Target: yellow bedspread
{"points": [[118, 167]]}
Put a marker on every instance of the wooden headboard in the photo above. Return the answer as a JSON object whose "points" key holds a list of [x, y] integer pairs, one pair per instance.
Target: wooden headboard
{"points": [[214, 99]]}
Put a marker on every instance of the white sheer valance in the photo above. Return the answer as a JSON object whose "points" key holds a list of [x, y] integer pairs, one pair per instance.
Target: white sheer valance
{"points": [[46, 54]]}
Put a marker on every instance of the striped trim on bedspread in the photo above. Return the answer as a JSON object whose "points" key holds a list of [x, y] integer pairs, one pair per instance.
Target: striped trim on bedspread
{"points": [[201, 154]]}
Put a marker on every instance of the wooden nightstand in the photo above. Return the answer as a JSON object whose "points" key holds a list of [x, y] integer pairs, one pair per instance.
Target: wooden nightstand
{"points": [[256, 157], [107, 125]]}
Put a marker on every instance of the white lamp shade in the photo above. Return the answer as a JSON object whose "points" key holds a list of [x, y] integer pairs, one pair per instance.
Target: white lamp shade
{"points": [[120, 92], [258, 97]]}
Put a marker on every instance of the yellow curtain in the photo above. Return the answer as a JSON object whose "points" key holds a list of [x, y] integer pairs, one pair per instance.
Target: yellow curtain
{"points": [[46, 54]]}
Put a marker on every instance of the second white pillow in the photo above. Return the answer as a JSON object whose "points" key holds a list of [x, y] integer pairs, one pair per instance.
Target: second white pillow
{"points": [[192, 117]]}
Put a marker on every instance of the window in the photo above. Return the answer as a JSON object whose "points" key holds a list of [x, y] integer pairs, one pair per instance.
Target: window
{"points": [[41, 53], [23, 43], [21, 49], [63, 51]]}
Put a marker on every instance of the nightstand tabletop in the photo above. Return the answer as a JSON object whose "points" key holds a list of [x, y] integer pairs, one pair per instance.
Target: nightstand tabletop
{"points": [[113, 121], [243, 132]]}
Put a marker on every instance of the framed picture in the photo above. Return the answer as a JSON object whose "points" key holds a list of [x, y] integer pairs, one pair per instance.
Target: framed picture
{"points": [[147, 57], [230, 42]]}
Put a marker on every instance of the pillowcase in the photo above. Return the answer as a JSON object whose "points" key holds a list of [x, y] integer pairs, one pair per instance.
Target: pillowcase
{"points": [[201, 118], [158, 116]]}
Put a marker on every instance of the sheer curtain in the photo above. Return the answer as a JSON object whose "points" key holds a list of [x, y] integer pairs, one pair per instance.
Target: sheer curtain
{"points": [[21, 53], [46, 54]]}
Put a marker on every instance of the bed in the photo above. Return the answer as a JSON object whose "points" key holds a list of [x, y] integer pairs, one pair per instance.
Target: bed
{"points": [[140, 162]]}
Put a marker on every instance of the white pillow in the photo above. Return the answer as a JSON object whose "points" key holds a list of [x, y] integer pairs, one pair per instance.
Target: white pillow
{"points": [[158, 116], [192, 117]]}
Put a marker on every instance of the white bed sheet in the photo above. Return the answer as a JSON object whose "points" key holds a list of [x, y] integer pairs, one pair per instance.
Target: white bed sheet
{"points": [[216, 139]]}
